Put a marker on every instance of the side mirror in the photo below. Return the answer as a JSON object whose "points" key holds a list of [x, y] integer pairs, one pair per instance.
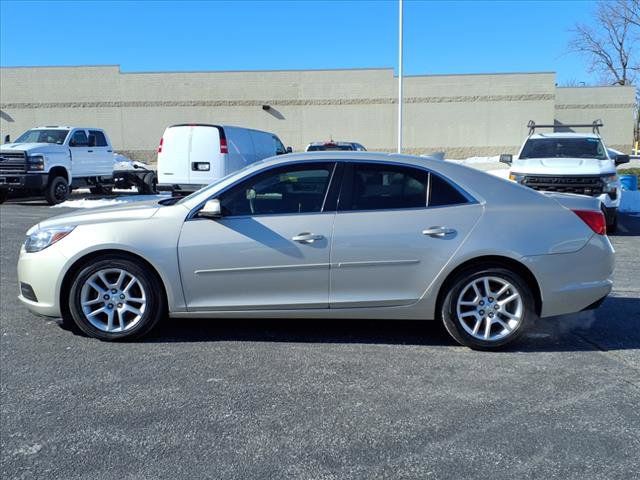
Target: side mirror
{"points": [[289, 150], [7, 139], [506, 158], [211, 210], [620, 159], [72, 143]]}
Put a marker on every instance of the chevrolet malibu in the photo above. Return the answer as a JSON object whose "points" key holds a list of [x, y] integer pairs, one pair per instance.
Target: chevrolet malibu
{"points": [[327, 235]]}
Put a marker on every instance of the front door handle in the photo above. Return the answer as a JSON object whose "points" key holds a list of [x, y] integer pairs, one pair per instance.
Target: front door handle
{"points": [[439, 232], [306, 237]]}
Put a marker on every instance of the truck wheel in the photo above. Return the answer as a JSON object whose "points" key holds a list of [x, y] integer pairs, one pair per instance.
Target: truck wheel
{"points": [[57, 191], [3, 195], [149, 183]]}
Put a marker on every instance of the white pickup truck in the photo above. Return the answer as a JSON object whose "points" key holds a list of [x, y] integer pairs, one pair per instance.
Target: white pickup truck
{"points": [[570, 162], [52, 160]]}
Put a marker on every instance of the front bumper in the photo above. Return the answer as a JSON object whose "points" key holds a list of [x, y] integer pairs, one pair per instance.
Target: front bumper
{"points": [[19, 181], [571, 282], [41, 271]]}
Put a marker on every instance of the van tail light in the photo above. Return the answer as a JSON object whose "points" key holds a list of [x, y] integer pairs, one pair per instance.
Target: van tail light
{"points": [[223, 145], [595, 219], [160, 146]]}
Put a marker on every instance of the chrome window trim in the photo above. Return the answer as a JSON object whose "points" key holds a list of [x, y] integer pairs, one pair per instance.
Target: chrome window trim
{"points": [[471, 200]]}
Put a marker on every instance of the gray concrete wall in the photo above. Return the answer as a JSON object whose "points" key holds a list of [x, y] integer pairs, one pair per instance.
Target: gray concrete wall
{"points": [[464, 115], [614, 105]]}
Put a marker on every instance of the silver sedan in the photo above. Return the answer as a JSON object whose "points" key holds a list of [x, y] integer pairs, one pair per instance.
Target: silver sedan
{"points": [[327, 235]]}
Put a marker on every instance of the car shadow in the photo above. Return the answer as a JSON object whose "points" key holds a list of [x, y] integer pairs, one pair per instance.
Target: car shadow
{"points": [[614, 326]]}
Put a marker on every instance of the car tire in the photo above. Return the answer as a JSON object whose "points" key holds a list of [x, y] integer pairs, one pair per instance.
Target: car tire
{"points": [[4, 194], [466, 310], [57, 191], [115, 297], [149, 183]]}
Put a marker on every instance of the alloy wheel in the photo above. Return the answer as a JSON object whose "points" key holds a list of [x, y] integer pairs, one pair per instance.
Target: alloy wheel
{"points": [[489, 308], [113, 300]]}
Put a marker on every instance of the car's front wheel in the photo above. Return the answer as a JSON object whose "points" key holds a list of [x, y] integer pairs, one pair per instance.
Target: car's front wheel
{"points": [[487, 307], [116, 298]]}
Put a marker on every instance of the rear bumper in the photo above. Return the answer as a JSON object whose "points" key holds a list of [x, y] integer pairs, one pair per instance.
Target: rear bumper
{"points": [[16, 181], [571, 282], [179, 187]]}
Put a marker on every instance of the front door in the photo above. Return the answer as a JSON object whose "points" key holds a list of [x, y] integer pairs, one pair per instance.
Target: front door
{"points": [[269, 250], [396, 228]]}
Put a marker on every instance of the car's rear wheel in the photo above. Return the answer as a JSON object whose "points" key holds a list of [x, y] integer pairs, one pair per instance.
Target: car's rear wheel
{"points": [[487, 307], [116, 298]]}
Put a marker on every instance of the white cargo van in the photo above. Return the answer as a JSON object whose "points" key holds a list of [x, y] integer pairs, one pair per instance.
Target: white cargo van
{"points": [[191, 156]]}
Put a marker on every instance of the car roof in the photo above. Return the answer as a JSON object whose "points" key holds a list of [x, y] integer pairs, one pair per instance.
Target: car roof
{"points": [[565, 135], [351, 155], [331, 142], [64, 127]]}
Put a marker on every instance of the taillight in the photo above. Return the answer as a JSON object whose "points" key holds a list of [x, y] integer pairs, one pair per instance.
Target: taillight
{"points": [[160, 146], [223, 145], [595, 219]]}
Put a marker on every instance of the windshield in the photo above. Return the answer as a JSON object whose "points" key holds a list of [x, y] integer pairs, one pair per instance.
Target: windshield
{"points": [[318, 148], [563, 148], [43, 136]]}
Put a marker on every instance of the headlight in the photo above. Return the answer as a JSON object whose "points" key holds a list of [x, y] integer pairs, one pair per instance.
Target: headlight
{"points": [[610, 183], [41, 239], [516, 177], [35, 163]]}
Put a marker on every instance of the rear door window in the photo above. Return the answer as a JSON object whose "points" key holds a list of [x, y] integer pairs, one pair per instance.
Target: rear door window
{"points": [[384, 186], [101, 140]]}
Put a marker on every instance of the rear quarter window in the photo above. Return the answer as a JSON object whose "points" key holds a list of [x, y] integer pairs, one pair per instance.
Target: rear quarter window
{"points": [[442, 193]]}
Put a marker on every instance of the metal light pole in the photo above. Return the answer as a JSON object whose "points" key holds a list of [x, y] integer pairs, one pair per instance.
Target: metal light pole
{"points": [[400, 78]]}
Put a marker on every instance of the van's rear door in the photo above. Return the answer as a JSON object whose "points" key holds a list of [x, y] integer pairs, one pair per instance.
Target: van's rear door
{"points": [[173, 158], [206, 161]]}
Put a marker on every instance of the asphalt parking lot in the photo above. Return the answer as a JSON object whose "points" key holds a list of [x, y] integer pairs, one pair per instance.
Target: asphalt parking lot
{"points": [[313, 399]]}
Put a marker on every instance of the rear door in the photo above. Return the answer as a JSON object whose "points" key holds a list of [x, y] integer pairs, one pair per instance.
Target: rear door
{"points": [[205, 160], [103, 155], [173, 156], [396, 228]]}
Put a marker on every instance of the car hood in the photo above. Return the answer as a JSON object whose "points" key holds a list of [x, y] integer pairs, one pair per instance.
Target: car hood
{"points": [[129, 211], [563, 166], [31, 147]]}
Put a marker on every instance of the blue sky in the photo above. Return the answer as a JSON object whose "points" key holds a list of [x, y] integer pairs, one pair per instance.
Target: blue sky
{"points": [[440, 36]]}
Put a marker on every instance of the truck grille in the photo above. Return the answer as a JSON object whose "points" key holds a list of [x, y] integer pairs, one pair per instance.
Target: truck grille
{"points": [[582, 185], [13, 162]]}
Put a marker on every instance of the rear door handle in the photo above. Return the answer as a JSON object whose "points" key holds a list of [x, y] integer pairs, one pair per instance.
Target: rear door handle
{"points": [[306, 237], [90, 151], [439, 232]]}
